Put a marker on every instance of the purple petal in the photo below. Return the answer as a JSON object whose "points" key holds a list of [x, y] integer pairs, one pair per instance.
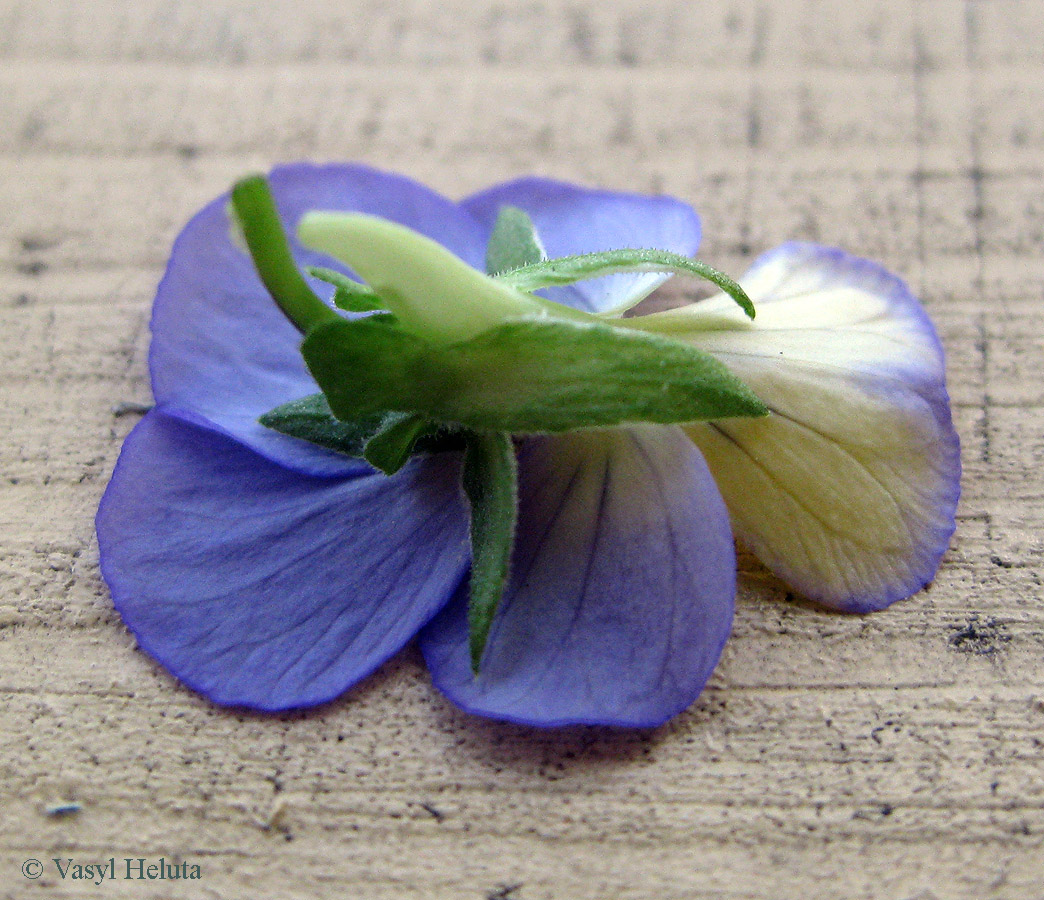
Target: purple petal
{"points": [[222, 348], [622, 587], [268, 588], [572, 220]]}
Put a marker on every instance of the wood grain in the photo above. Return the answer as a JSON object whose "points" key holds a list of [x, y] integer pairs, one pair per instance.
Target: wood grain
{"points": [[895, 757]]}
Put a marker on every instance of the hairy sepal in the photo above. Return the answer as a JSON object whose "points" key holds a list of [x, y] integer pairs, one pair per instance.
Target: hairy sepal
{"points": [[523, 376]]}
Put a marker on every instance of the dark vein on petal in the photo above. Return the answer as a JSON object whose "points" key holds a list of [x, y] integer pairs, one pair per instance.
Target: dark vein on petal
{"points": [[593, 547], [676, 554], [830, 529], [559, 507], [849, 454]]}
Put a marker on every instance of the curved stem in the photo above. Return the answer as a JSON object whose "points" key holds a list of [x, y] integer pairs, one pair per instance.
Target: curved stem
{"points": [[265, 238]]}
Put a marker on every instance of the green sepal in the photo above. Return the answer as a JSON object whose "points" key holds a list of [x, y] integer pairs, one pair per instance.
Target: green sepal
{"points": [[514, 242], [570, 269], [525, 376], [350, 295], [490, 481], [392, 444], [310, 419]]}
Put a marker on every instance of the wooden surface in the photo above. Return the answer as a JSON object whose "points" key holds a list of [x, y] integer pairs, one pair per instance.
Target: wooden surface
{"points": [[895, 756]]}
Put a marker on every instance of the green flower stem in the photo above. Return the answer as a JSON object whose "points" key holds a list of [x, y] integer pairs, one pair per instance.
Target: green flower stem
{"points": [[266, 240]]}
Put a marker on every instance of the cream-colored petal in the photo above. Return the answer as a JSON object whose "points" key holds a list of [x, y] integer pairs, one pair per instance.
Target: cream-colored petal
{"points": [[848, 488]]}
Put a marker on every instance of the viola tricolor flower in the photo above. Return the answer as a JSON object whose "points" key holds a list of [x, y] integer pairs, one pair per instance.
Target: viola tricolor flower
{"points": [[269, 566]]}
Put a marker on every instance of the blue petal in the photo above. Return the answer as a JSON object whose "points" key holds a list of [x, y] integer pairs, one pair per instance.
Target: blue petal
{"points": [[572, 220], [221, 347], [848, 489], [622, 588], [263, 587]]}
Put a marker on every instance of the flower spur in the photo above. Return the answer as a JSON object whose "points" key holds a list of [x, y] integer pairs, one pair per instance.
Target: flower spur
{"points": [[270, 572]]}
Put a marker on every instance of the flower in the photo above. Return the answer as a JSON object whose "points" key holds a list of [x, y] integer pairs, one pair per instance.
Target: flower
{"points": [[268, 572]]}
